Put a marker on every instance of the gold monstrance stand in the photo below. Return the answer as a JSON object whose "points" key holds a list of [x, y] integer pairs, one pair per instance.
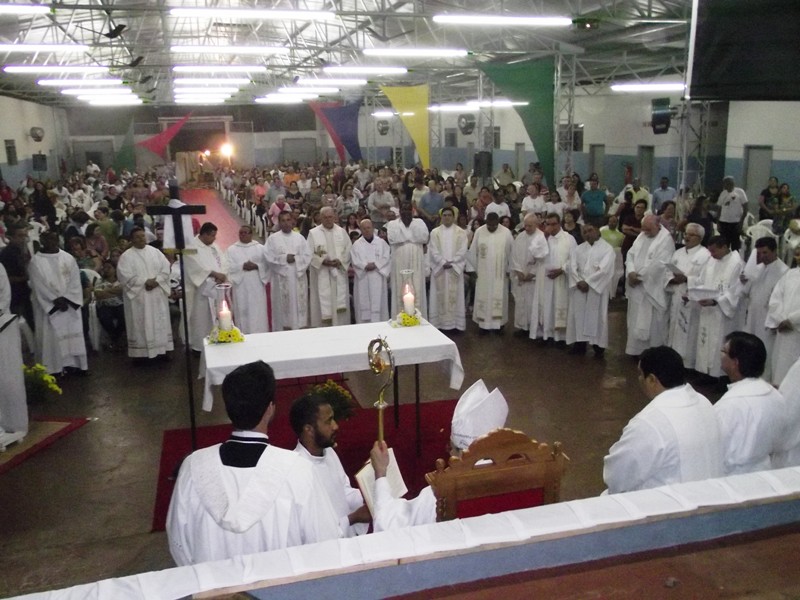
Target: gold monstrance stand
{"points": [[381, 361]]}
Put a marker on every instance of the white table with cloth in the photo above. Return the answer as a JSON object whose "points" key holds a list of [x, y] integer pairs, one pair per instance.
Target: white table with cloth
{"points": [[323, 350]]}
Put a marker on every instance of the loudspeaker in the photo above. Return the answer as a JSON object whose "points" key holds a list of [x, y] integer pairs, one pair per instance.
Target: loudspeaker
{"points": [[383, 127], [661, 115], [40, 162], [483, 164], [466, 124]]}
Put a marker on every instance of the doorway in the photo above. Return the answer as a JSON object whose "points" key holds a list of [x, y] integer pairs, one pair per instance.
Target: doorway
{"points": [[757, 169], [646, 158], [597, 158]]}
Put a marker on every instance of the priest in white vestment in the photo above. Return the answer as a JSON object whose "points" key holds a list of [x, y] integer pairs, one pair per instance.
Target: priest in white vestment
{"points": [[13, 405], [57, 299], [248, 272], [783, 320], [549, 315], [329, 287], [371, 258], [751, 413], [204, 271], [288, 256], [591, 273], [246, 496], [674, 439], [758, 284], [407, 238], [527, 265], [447, 251], [721, 314], [490, 256], [144, 273], [685, 315], [477, 413], [646, 265], [789, 456], [313, 422]]}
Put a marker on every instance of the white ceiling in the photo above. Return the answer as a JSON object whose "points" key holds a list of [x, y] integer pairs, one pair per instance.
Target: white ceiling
{"points": [[635, 39]]}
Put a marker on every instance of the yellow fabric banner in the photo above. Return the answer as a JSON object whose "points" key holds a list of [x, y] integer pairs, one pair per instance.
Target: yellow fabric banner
{"points": [[411, 102]]}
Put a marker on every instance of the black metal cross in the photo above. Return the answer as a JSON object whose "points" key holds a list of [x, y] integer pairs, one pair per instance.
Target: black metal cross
{"points": [[177, 214]]}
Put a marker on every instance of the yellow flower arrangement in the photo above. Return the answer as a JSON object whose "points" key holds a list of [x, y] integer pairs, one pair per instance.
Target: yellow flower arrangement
{"points": [[39, 384], [406, 320], [223, 336]]}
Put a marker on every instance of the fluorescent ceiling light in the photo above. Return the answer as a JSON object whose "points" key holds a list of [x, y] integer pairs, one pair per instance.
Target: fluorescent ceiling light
{"points": [[498, 103], [115, 101], [218, 68], [205, 90], [211, 81], [407, 114], [43, 48], [308, 90], [383, 114], [509, 21], [416, 52], [283, 99], [24, 9], [115, 91], [71, 82], [180, 94], [120, 97], [253, 14], [229, 49], [648, 87], [365, 70], [33, 69], [331, 81], [300, 95], [197, 101]]}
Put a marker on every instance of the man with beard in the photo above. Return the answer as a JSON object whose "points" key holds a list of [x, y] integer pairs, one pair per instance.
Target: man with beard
{"points": [[407, 237], [313, 422]]}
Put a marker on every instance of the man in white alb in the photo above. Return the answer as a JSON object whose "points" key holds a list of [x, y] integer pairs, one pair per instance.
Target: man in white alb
{"points": [[756, 292], [407, 237], [13, 406], [685, 315], [550, 314], [144, 273], [490, 256], [674, 439], [783, 321], [751, 413], [591, 273], [205, 269], [329, 293], [448, 258], [527, 265], [249, 274], [246, 496], [315, 426], [646, 266], [372, 263], [57, 300], [721, 314], [288, 256], [477, 413]]}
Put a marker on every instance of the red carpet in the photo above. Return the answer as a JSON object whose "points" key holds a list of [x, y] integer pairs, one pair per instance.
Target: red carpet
{"points": [[42, 432], [216, 212], [354, 442]]}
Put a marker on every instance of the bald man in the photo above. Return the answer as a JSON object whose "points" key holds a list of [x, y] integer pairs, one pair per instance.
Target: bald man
{"points": [[329, 300], [371, 260]]}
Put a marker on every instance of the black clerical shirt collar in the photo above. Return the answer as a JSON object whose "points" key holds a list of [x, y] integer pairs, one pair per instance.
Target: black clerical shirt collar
{"points": [[243, 449]]}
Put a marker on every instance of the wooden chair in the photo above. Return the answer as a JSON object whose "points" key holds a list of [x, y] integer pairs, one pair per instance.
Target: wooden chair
{"points": [[503, 470]]}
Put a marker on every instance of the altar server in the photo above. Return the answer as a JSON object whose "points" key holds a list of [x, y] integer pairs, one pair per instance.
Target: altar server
{"points": [[407, 237]]}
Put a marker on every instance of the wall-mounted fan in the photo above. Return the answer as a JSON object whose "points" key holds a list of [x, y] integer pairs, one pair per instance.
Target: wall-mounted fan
{"points": [[37, 133], [383, 127], [466, 124]]}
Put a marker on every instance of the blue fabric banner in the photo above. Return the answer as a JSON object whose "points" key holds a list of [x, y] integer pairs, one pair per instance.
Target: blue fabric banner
{"points": [[344, 121]]}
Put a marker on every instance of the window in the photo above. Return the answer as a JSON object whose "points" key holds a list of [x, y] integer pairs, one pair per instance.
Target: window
{"points": [[570, 140], [451, 137], [11, 152], [491, 137]]}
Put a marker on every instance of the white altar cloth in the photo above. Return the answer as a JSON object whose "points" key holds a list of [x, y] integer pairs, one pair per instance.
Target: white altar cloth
{"points": [[324, 350]]}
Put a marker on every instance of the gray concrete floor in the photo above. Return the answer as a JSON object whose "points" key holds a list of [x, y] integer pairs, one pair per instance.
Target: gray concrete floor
{"points": [[81, 509]]}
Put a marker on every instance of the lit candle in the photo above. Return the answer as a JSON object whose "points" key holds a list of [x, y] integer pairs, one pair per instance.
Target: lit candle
{"points": [[225, 320], [408, 303]]}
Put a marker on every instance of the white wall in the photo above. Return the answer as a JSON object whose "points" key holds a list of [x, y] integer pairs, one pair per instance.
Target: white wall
{"points": [[775, 124]]}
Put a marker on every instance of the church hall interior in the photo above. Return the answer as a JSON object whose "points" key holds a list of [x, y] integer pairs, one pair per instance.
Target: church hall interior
{"points": [[218, 99]]}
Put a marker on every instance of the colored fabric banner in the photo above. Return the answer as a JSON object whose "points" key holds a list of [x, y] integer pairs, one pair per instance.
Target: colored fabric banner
{"points": [[344, 121], [158, 143], [411, 102], [531, 81], [126, 157], [318, 107]]}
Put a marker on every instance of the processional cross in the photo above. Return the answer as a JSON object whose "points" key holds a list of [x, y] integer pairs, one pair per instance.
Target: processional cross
{"points": [[177, 213]]}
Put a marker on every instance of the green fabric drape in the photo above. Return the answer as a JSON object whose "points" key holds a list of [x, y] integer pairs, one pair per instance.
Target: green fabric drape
{"points": [[531, 81], [126, 156]]}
